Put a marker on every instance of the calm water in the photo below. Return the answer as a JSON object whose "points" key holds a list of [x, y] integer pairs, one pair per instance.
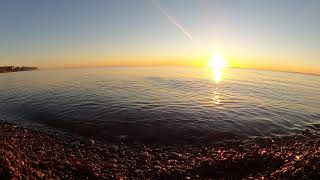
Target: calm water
{"points": [[162, 104]]}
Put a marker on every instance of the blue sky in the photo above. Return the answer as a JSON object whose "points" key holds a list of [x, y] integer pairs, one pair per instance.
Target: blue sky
{"points": [[266, 33]]}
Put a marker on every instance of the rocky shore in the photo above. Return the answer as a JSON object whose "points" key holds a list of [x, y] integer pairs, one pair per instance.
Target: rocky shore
{"points": [[30, 154]]}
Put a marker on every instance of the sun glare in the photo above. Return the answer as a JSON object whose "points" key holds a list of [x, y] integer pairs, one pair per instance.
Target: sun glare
{"points": [[216, 64], [217, 61]]}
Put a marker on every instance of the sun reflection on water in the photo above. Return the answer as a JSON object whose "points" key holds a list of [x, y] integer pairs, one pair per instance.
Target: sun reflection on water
{"points": [[217, 65], [217, 74], [216, 97]]}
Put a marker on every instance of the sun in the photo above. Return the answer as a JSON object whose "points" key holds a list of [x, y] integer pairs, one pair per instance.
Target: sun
{"points": [[217, 61]]}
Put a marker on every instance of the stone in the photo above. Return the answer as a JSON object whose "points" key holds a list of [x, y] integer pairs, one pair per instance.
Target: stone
{"points": [[39, 174], [92, 142], [139, 171], [144, 154], [174, 155], [113, 148], [157, 167]]}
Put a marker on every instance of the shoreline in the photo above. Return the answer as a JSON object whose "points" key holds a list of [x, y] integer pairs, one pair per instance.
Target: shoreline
{"points": [[26, 153], [10, 69]]}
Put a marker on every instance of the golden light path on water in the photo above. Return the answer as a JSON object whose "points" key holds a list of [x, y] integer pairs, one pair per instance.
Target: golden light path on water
{"points": [[217, 77], [217, 64], [217, 74]]}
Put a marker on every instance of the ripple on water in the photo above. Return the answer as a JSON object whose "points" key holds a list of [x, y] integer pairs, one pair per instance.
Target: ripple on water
{"points": [[163, 104]]}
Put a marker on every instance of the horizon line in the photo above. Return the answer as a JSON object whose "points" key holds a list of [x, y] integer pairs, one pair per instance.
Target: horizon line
{"points": [[150, 66]]}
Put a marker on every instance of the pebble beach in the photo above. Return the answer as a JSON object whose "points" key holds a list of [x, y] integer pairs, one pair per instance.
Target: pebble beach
{"points": [[32, 154]]}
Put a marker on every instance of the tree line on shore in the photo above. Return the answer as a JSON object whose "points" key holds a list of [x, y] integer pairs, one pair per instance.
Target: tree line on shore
{"points": [[4, 69]]}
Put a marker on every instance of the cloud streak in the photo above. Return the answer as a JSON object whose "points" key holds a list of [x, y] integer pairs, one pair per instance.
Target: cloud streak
{"points": [[172, 20]]}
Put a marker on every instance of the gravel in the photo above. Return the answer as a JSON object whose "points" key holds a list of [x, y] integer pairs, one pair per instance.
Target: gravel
{"points": [[31, 154]]}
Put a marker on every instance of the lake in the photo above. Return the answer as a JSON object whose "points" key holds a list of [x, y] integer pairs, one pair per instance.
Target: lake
{"points": [[162, 104]]}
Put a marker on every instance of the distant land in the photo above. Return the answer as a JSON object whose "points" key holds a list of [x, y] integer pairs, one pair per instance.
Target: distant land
{"points": [[6, 69]]}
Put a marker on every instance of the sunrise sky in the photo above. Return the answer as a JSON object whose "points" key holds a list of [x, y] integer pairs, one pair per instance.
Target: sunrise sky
{"points": [[267, 34]]}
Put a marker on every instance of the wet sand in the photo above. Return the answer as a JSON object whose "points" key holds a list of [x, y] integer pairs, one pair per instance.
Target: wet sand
{"points": [[26, 153]]}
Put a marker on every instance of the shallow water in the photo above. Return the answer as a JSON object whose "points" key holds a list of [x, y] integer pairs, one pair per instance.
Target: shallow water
{"points": [[166, 104]]}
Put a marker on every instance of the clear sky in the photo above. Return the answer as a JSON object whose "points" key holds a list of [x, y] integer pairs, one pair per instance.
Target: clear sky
{"points": [[269, 34]]}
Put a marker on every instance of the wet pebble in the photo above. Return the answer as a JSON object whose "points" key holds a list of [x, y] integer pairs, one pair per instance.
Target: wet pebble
{"points": [[174, 155], [31, 154], [113, 148]]}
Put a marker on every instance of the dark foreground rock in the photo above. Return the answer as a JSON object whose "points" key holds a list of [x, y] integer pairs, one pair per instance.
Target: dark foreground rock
{"points": [[29, 154]]}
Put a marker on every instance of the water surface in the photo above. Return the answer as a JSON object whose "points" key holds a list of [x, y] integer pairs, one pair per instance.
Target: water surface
{"points": [[167, 104]]}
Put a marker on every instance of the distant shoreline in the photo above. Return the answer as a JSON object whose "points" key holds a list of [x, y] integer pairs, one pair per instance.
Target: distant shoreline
{"points": [[8, 69]]}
